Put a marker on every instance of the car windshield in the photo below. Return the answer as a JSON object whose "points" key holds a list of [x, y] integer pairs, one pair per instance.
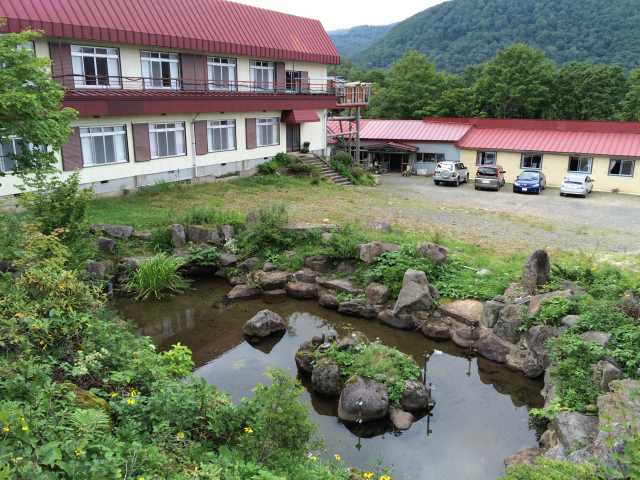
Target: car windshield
{"points": [[488, 171], [445, 166], [529, 176]]}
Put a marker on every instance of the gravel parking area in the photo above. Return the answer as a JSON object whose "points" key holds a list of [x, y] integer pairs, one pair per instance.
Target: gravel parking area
{"points": [[600, 223]]}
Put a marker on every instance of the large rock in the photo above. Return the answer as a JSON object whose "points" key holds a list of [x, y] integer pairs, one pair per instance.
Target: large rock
{"points": [[402, 321], [178, 235], [99, 270], [243, 292], [318, 263], [605, 372], [491, 312], [368, 252], [363, 400], [400, 419], [508, 324], [432, 252], [302, 291], [536, 271], [526, 456], [305, 357], [536, 338], [275, 280], [601, 338], [436, 328], [339, 285], [630, 304], [492, 347], [249, 264], [142, 235], [465, 336], [226, 259], [358, 307], [274, 296], [227, 232], [113, 231], [328, 299], [106, 245], [466, 311], [377, 293], [537, 300], [326, 378], [416, 294], [306, 275], [415, 397], [570, 321], [263, 324], [574, 430], [203, 235]]}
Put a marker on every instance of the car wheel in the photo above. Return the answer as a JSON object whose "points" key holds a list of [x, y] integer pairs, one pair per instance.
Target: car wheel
{"points": [[476, 187], [458, 182], [467, 179]]}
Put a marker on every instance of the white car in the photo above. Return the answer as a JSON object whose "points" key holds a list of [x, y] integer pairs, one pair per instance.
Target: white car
{"points": [[576, 184]]}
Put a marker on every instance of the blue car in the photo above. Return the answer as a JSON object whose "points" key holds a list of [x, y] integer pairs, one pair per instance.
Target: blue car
{"points": [[530, 181]]}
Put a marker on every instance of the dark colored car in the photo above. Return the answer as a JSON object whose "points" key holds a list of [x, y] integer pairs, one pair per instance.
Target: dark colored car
{"points": [[489, 177], [530, 181]]}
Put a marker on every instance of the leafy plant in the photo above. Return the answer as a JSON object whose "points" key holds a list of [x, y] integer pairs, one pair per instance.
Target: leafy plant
{"points": [[89, 421], [545, 469], [551, 311], [177, 360], [265, 231], [343, 243], [156, 277], [203, 256]]}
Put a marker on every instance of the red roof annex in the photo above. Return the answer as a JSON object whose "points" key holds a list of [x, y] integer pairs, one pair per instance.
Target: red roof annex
{"points": [[406, 130], [212, 26]]}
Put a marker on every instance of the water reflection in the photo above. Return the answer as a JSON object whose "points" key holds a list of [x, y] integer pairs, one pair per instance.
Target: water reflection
{"points": [[479, 419]]}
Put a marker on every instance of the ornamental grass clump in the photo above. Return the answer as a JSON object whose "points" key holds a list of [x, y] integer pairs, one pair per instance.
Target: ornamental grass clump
{"points": [[157, 277]]}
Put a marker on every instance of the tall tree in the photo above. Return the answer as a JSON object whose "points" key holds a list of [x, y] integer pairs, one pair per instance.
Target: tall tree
{"points": [[412, 85], [586, 91], [631, 103], [517, 83], [30, 105]]}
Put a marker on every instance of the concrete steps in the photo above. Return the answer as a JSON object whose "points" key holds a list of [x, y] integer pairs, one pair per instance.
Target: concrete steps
{"points": [[323, 167]]}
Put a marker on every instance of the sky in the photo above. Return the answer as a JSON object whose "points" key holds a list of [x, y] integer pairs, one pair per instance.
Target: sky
{"points": [[336, 14]]}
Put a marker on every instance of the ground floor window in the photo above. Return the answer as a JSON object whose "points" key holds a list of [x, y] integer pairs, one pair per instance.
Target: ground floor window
{"points": [[103, 145], [621, 167], [268, 131], [222, 135], [10, 149], [429, 157], [580, 164], [486, 158], [167, 139], [531, 161]]}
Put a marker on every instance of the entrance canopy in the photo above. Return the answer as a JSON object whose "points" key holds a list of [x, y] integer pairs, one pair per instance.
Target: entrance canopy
{"points": [[391, 147], [299, 116]]}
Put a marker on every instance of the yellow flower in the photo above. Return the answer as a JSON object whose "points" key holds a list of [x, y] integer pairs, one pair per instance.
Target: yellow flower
{"points": [[248, 430], [131, 401], [6, 429], [113, 394], [385, 477], [180, 436], [79, 452], [133, 393], [140, 477], [25, 428], [368, 475], [337, 457]]}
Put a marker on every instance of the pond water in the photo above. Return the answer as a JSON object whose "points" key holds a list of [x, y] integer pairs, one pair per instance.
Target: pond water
{"points": [[481, 412]]}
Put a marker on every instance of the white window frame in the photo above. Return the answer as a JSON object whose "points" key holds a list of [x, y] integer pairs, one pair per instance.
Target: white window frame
{"points": [[293, 81], [522, 165], [261, 124], [223, 129], [224, 65], [149, 58], [112, 56], [103, 131], [481, 158], [623, 161], [4, 159], [156, 130], [430, 157], [581, 160], [260, 68]]}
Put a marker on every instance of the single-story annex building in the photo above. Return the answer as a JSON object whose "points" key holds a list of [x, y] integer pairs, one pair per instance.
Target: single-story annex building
{"points": [[607, 151]]}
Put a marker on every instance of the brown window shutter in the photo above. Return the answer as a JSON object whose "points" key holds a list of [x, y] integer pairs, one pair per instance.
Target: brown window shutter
{"points": [[252, 137], [141, 146], [72, 152], [281, 76], [202, 140], [194, 72], [305, 81], [61, 65]]}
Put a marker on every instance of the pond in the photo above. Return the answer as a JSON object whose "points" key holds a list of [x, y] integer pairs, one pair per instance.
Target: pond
{"points": [[481, 412]]}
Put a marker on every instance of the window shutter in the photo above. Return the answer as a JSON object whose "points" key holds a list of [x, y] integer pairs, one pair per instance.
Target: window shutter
{"points": [[61, 64], [202, 141], [251, 134], [281, 76], [305, 81], [72, 152], [141, 145], [194, 72]]}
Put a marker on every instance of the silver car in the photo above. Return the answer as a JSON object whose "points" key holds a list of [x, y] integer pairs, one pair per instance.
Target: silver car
{"points": [[576, 184], [451, 172]]}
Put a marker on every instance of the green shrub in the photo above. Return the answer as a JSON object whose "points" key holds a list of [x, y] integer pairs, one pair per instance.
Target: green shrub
{"points": [[10, 237], [552, 311], [265, 232], [283, 159], [601, 281], [343, 158], [625, 348], [156, 277], [343, 243], [177, 360], [545, 469], [209, 216], [203, 256], [299, 168], [161, 240], [600, 315], [268, 168]]}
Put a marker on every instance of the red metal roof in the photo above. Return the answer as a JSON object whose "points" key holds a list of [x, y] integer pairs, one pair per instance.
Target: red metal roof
{"points": [[596, 126], [211, 26], [299, 116], [406, 130]]}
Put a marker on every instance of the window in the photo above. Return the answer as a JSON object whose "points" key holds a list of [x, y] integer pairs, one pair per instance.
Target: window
{"points": [[268, 131], [167, 139], [222, 73], [486, 158], [29, 46], [621, 167], [294, 81], [531, 160], [430, 157], [580, 164], [12, 147], [160, 70], [103, 145], [222, 135], [261, 75], [95, 67]]}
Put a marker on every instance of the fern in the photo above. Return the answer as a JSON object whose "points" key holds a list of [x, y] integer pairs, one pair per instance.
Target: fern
{"points": [[89, 421]]}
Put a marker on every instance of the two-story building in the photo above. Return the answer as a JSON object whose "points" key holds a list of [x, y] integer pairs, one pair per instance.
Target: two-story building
{"points": [[171, 90]]}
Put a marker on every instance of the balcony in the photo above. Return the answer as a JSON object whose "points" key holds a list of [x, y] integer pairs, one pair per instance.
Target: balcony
{"points": [[351, 94], [124, 96]]}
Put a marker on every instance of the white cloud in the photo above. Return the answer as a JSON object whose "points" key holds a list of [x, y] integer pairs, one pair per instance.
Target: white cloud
{"points": [[335, 14]]}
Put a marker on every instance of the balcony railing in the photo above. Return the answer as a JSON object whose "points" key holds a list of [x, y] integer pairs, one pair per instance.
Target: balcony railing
{"points": [[352, 93]]}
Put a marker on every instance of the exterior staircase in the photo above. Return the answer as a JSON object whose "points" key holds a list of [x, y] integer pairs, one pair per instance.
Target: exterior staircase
{"points": [[326, 170]]}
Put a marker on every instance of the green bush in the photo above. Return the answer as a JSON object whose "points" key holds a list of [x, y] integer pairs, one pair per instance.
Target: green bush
{"points": [[343, 158], [268, 168], [544, 469], [625, 348], [343, 243], [10, 237], [203, 256], [156, 277], [209, 216], [600, 315], [299, 168], [552, 311], [265, 232]]}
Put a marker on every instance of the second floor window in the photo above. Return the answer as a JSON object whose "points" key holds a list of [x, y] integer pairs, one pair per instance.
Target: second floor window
{"points": [[103, 145], [222, 73], [95, 67], [167, 139], [294, 81], [221, 135], [486, 158], [9, 149], [161, 70], [268, 131], [261, 75]]}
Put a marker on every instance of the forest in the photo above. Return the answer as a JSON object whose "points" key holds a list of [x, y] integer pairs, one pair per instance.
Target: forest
{"points": [[519, 82]]}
